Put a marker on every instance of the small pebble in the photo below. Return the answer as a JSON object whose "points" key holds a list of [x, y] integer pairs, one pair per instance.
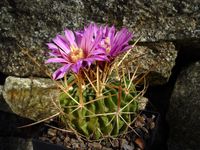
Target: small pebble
{"points": [[75, 143], [67, 139], [95, 145], [131, 141], [115, 143], [127, 147], [51, 132], [58, 140], [53, 139], [106, 148], [82, 145], [62, 137], [108, 144], [124, 141]]}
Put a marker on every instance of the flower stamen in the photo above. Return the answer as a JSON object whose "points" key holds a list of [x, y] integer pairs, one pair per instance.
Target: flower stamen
{"points": [[76, 53], [107, 45]]}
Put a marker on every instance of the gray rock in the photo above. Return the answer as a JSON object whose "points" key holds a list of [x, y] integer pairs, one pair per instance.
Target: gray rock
{"points": [[153, 19], [157, 58], [31, 98], [14, 143], [184, 112], [33, 23]]}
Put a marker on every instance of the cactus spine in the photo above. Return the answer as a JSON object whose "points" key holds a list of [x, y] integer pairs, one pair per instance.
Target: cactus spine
{"points": [[104, 113]]}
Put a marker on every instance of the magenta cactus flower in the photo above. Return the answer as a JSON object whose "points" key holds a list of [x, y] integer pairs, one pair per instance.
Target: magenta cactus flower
{"points": [[79, 49], [76, 50], [115, 42], [100, 105]]}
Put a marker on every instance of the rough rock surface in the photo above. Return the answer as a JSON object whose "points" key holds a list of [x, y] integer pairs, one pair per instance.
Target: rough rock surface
{"points": [[33, 23], [31, 98], [183, 115], [158, 58]]}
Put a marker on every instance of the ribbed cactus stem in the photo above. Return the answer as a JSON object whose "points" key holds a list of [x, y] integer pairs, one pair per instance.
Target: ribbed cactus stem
{"points": [[109, 114], [119, 98], [79, 79], [98, 82]]}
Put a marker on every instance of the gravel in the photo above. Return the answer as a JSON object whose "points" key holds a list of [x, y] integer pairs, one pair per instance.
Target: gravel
{"points": [[143, 126]]}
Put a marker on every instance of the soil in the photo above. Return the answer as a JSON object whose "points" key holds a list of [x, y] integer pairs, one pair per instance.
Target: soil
{"points": [[138, 139]]}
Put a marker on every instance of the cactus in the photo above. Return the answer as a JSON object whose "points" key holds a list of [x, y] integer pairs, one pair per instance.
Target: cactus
{"points": [[98, 100], [107, 115]]}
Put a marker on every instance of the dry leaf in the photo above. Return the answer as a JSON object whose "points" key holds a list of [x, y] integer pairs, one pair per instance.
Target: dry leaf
{"points": [[140, 143]]}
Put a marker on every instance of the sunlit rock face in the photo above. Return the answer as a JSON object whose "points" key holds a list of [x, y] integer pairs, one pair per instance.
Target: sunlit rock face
{"points": [[31, 98], [156, 60]]}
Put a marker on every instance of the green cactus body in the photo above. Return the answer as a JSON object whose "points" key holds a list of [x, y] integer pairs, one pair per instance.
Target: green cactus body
{"points": [[101, 117]]}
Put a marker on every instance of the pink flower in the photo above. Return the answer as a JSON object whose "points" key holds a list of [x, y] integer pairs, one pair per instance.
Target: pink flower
{"points": [[76, 50], [115, 42]]}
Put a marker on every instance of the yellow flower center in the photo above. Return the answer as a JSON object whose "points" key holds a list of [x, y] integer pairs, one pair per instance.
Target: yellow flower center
{"points": [[76, 53], [107, 40], [107, 44]]}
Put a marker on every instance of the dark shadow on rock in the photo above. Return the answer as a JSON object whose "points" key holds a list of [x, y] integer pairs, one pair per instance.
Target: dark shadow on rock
{"points": [[10, 123], [2, 78], [160, 95]]}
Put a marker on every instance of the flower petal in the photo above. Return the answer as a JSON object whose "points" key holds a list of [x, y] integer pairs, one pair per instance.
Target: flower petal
{"points": [[76, 67], [87, 39], [70, 37], [62, 43], [96, 40], [98, 51], [120, 42], [101, 58], [55, 53], [89, 61], [56, 60], [52, 46], [59, 73], [79, 36]]}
